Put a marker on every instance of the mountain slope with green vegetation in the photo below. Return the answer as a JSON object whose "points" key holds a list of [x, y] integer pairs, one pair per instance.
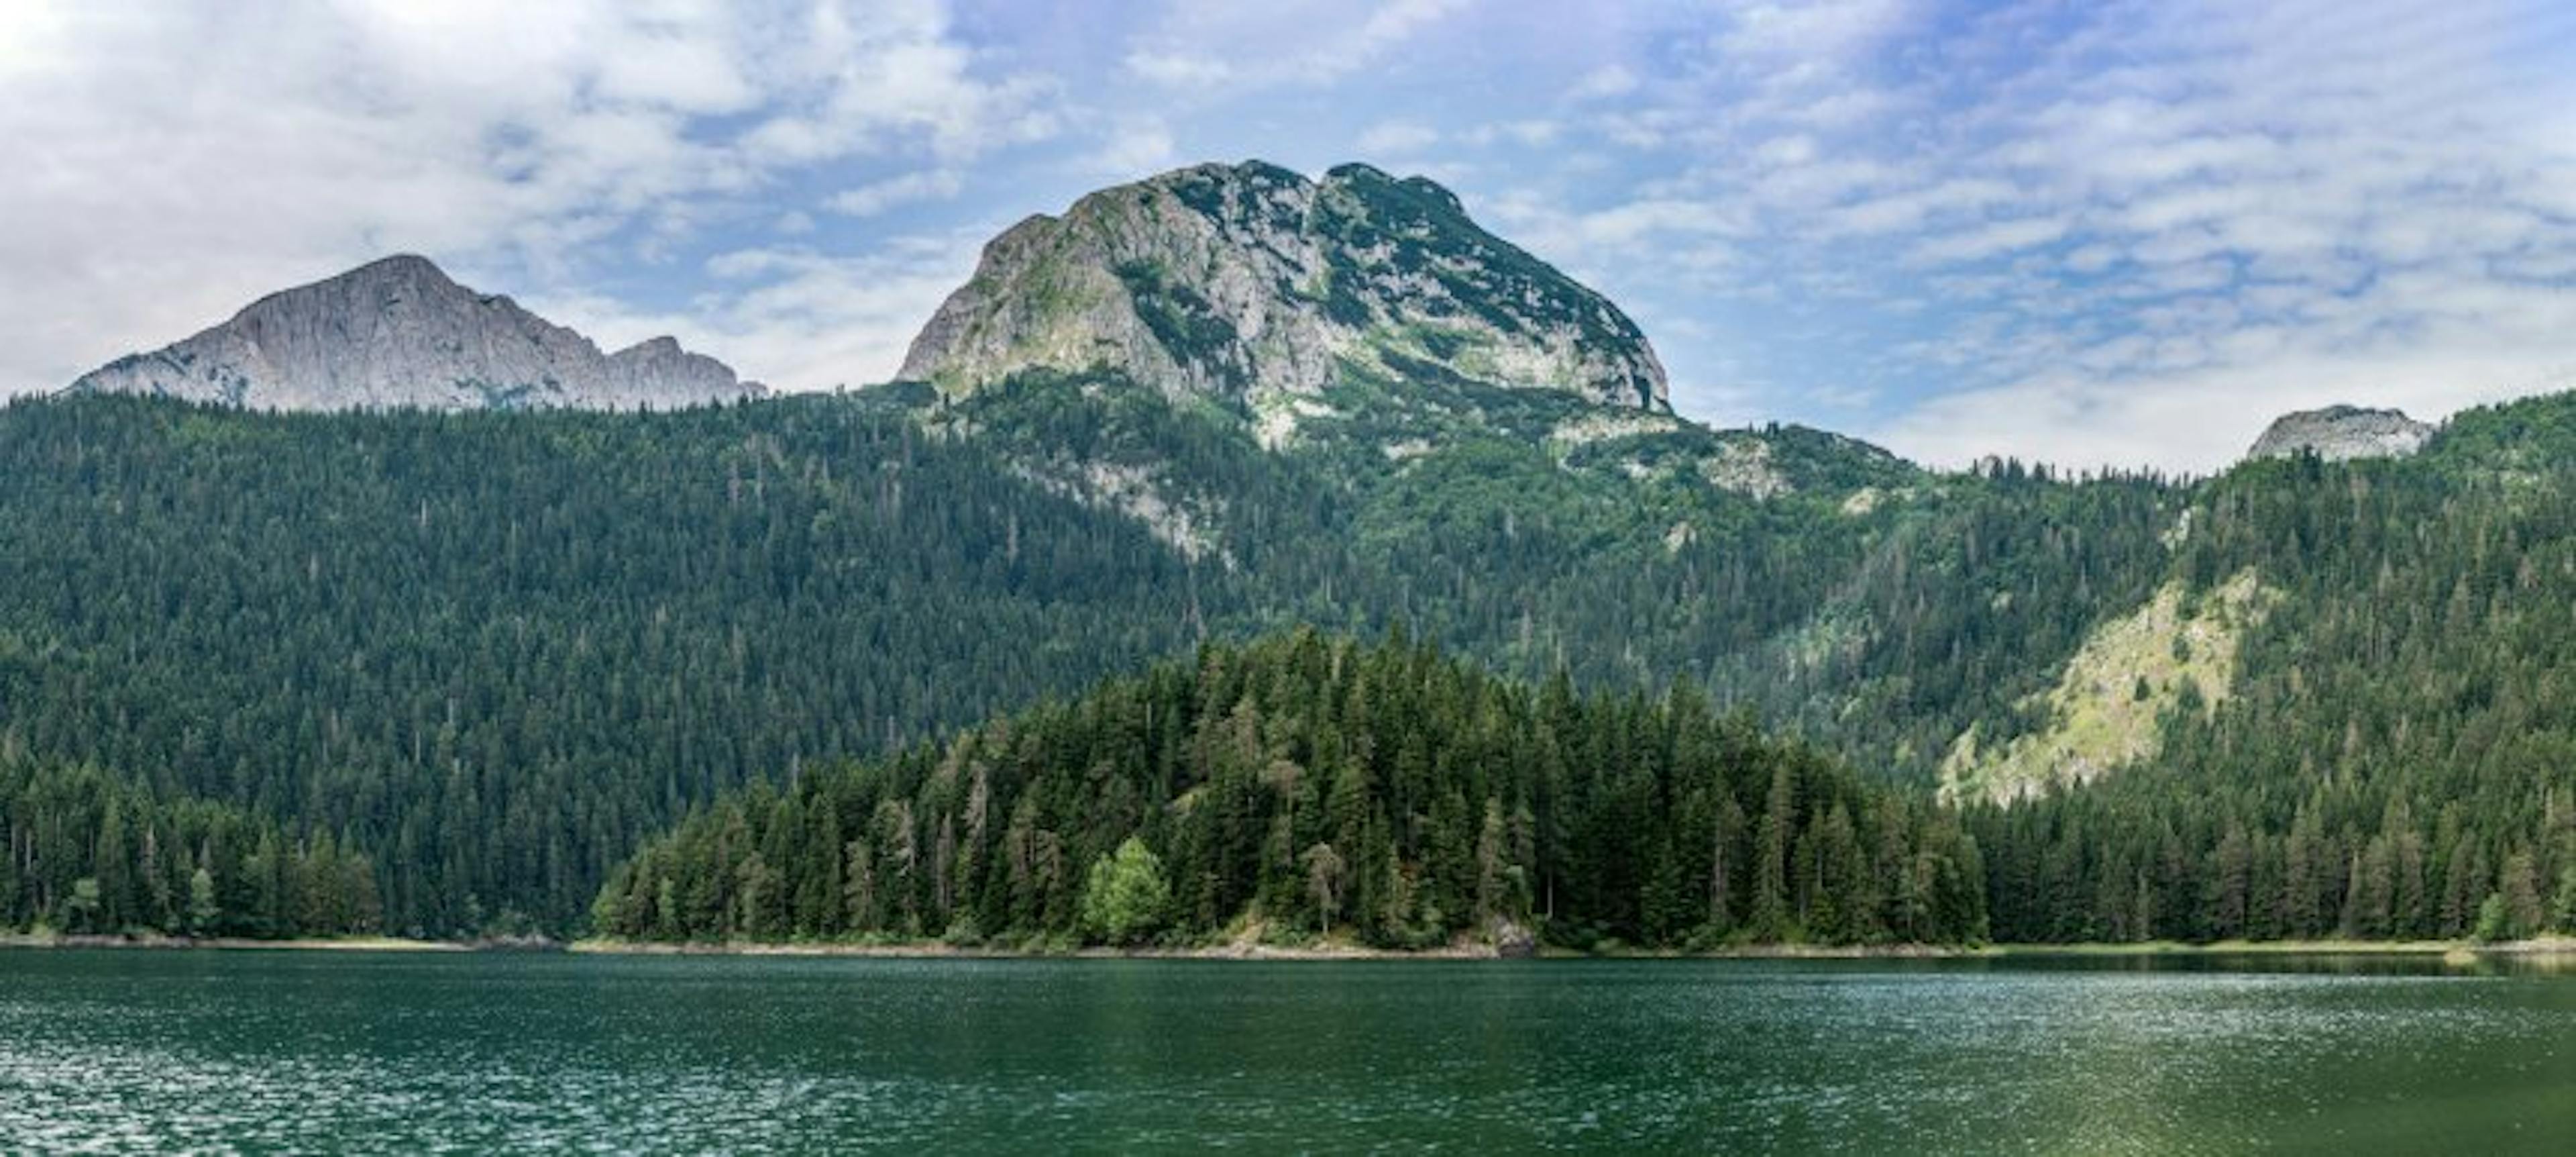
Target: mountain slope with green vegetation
{"points": [[2395, 759], [1299, 788], [489, 652], [2354, 720], [493, 650], [2351, 723], [2108, 710]]}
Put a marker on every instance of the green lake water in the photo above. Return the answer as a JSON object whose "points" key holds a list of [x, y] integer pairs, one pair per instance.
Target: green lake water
{"points": [[115, 1051]]}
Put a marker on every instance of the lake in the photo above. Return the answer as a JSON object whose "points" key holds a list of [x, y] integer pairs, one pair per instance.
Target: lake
{"points": [[321, 1051]]}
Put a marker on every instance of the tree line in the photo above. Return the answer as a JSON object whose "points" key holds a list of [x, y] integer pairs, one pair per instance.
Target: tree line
{"points": [[2395, 759], [82, 852], [494, 654], [495, 650], [1301, 786]]}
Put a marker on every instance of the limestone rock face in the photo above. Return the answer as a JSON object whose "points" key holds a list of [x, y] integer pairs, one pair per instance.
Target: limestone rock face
{"points": [[2337, 433], [397, 333], [1251, 280]]}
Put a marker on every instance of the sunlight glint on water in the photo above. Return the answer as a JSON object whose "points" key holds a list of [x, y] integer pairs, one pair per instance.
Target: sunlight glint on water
{"points": [[304, 1052]]}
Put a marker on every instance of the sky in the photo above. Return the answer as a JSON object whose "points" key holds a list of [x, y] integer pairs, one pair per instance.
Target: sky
{"points": [[2089, 233]]}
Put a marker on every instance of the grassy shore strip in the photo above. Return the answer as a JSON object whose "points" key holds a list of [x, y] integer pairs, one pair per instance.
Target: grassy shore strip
{"points": [[2540, 946], [940, 950], [231, 943], [934, 949], [1240, 950]]}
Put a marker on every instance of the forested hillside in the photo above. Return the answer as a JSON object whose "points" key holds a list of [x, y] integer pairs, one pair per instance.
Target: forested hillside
{"points": [[1300, 787], [2399, 758], [2390, 756], [491, 650], [1821, 580]]}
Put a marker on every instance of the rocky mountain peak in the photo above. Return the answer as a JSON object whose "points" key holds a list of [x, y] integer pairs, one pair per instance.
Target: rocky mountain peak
{"points": [[399, 333], [1252, 280], [2338, 433], [407, 267]]}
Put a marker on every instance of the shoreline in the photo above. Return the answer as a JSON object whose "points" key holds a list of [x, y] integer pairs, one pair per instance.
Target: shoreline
{"points": [[936, 950], [2535, 947], [2449, 950], [30, 940]]}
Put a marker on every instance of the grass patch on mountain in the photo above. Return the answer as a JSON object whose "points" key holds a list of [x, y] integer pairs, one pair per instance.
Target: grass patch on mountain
{"points": [[2175, 654]]}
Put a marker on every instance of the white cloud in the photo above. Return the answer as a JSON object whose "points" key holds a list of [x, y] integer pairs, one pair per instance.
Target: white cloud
{"points": [[2036, 217], [1133, 148], [2200, 419], [175, 161], [1246, 47], [1609, 80], [796, 318], [2059, 226], [1387, 138], [1991, 239], [1533, 133], [1821, 30], [1388, 24], [1910, 209], [1178, 69], [878, 196], [2199, 376], [1625, 228]]}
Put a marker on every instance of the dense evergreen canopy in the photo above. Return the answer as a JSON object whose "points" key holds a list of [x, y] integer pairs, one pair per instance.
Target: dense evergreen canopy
{"points": [[1300, 786], [2400, 755], [89, 854], [494, 649], [490, 653]]}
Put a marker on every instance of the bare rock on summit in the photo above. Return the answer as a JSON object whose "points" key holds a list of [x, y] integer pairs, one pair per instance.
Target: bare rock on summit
{"points": [[2338, 433], [398, 333], [1253, 281]]}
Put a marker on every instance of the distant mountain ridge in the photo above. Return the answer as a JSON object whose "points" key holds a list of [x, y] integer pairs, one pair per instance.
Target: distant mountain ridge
{"points": [[1253, 281], [399, 333]]}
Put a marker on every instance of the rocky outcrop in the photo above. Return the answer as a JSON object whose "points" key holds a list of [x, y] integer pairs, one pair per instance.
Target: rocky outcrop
{"points": [[398, 333], [2338, 433], [1253, 281]]}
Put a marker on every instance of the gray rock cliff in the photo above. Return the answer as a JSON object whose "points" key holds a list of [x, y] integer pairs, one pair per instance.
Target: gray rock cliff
{"points": [[398, 333], [2338, 433], [1251, 280]]}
